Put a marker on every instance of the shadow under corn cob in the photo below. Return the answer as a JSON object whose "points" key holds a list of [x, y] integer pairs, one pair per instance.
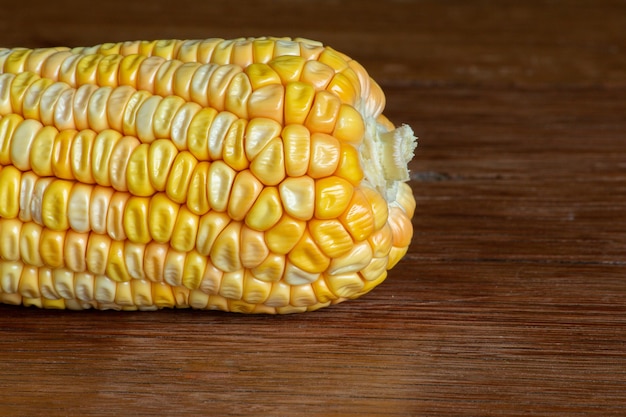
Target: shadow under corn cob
{"points": [[250, 175]]}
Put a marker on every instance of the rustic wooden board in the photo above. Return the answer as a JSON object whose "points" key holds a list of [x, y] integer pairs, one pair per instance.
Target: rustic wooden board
{"points": [[512, 298]]}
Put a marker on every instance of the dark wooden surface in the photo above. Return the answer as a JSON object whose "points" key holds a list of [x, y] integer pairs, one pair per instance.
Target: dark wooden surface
{"points": [[512, 298]]}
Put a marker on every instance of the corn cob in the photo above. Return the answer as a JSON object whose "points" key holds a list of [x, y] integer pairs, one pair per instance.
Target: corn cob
{"points": [[252, 175]]}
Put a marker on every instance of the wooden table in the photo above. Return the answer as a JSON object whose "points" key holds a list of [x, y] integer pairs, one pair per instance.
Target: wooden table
{"points": [[512, 298]]}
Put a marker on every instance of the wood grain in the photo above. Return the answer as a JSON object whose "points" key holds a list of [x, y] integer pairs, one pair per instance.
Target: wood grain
{"points": [[512, 298]]}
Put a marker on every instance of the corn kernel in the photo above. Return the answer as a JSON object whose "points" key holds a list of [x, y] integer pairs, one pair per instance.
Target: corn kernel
{"points": [[332, 196]]}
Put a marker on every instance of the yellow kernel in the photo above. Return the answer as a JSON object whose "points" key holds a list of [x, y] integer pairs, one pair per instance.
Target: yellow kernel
{"points": [[280, 295], [232, 285], [269, 165], [211, 279], [8, 126], [219, 128], [349, 166], [193, 271], [395, 254], [134, 254], [298, 197], [333, 59], [209, 228], [78, 207], [233, 152], [374, 269], [115, 215], [218, 84], [147, 73], [174, 267], [332, 195], [225, 251], [102, 151], [87, 69], [116, 265], [253, 248], [268, 102], [255, 291], [182, 79], [198, 195], [107, 72], [271, 269], [401, 227], [142, 294], [129, 121], [61, 163], [381, 241], [161, 157], [198, 133], [297, 148], [162, 295], [355, 260], [118, 163], [41, 153], [63, 113], [137, 175], [332, 238], [129, 69], [345, 285], [136, 219], [222, 52], [10, 239], [259, 132], [324, 112], [380, 208], [237, 96], [302, 295], [284, 235], [180, 176], [298, 276], [97, 109], [29, 244], [221, 178], [164, 78], [10, 179], [51, 246], [55, 203], [242, 53], [261, 75], [358, 218], [29, 282], [18, 88], [164, 116], [15, 61], [154, 261], [180, 124], [27, 187], [162, 217], [317, 74], [325, 153], [80, 104], [299, 98], [288, 67], [200, 84], [346, 86], [307, 255], [32, 98], [81, 154], [75, 251], [144, 118], [349, 127], [246, 188], [185, 230], [266, 210], [263, 50], [22, 141], [100, 199], [322, 292]]}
